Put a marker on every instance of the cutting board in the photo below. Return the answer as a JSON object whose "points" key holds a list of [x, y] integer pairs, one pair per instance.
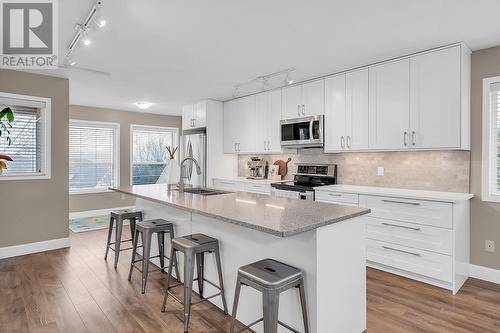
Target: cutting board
{"points": [[283, 166]]}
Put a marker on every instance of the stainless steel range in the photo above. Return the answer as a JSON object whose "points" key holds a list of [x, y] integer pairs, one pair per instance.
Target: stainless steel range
{"points": [[308, 177]]}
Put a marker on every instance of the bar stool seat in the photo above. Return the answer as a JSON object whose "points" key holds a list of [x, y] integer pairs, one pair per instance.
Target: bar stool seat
{"points": [[118, 217], [194, 247], [271, 278], [147, 229]]}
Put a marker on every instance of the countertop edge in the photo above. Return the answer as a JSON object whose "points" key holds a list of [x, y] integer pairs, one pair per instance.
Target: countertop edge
{"points": [[244, 224], [395, 192]]}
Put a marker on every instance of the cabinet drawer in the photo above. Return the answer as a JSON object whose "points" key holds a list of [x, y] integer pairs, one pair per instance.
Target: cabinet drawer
{"points": [[430, 264], [337, 197], [229, 185], [433, 213], [257, 188], [411, 235]]}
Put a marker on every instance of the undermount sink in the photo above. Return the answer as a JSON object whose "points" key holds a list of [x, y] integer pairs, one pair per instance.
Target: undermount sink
{"points": [[204, 191]]}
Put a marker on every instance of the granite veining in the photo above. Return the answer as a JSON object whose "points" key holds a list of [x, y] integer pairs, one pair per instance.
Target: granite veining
{"points": [[281, 217]]}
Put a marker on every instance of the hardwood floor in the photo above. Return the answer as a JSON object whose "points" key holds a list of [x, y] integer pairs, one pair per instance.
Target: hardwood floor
{"points": [[75, 290]]}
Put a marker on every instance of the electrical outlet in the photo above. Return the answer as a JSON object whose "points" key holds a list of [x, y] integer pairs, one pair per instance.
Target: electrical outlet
{"points": [[380, 171], [489, 246]]}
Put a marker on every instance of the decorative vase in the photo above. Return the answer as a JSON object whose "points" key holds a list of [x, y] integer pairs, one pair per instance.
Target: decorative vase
{"points": [[171, 173]]}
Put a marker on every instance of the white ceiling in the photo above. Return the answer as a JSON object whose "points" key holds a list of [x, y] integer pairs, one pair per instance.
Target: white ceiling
{"points": [[173, 52]]}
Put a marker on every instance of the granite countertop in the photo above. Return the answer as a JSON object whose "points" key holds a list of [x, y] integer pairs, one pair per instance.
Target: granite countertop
{"points": [[281, 217], [398, 192]]}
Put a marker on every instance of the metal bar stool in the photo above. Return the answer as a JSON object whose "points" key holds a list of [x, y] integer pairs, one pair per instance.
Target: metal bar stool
{"points": [[147, 229], [194, 246], [271, 278], [119, 216]]}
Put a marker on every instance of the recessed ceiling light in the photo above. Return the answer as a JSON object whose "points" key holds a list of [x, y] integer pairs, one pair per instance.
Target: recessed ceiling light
{"points": [[143, 105], [87, 41]]}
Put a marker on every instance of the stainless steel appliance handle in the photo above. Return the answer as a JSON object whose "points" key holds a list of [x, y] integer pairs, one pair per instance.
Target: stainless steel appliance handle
{"points": [[413, 133], [402, 251], [303, 109], [401, 226], [402, 202], [311, 126], [404, 138], [298, 109]]}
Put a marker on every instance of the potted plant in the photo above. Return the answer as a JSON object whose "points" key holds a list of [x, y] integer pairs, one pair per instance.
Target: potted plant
{"points": [[6, 118]]}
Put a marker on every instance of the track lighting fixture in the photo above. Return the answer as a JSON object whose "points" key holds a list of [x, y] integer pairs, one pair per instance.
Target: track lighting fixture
{"points": [[265, 81], [93, 19]]}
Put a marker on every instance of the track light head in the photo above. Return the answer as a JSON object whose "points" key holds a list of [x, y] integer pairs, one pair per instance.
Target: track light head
{"points": [[288, 79]]}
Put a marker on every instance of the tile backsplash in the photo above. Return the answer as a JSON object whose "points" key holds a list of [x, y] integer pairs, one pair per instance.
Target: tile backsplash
{"points": [[443, 170]]}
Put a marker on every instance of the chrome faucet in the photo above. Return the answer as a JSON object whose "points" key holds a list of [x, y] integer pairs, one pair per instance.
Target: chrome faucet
{"points": [[181, 180]]}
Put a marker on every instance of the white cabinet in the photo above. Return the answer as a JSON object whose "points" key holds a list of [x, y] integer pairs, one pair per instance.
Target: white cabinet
{"points": [[435, 99], [245, 185], [389, 105], [346, 111], [240, 125], [303, 100], [426, 240], [194, 115], [268, 116]]}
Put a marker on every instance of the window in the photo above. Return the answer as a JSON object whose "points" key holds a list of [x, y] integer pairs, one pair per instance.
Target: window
{"points": [[93, 156], [30, 137], [149, 152], [491, 140]]}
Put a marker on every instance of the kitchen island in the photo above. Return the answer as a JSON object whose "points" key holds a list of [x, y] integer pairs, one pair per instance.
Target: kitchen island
{"points": [[326, 241]]}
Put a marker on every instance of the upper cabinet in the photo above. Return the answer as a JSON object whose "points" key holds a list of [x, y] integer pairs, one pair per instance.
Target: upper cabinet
{"points": [[389, 105], [421, 102], [304, 100], [435, 99], [268, 116], [346, 111], [240, 126], [194, 115]]}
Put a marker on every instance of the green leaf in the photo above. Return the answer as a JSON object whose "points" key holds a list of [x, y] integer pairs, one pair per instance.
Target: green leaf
{"points": [[10, 115]]}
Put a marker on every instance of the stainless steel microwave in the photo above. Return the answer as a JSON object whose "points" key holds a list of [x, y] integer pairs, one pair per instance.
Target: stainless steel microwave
{"points": [[302, 132]]}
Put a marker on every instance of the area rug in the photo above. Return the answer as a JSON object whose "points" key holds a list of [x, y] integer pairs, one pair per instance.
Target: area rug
{"points": [[90, 223]]}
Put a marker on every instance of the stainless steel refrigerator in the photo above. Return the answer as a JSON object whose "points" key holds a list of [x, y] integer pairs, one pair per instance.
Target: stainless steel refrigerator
{"points": [[194, 144]]}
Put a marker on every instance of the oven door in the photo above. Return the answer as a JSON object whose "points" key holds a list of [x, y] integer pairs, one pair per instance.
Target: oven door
{"points": [[302, 132]]}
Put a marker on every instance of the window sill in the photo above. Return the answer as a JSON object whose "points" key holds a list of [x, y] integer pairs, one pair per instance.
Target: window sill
{"points": [[25, 177], [92, 191], [493, 198]]}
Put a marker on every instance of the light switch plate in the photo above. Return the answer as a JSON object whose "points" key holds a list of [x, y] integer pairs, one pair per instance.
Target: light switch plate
{"points": [[380, 171]]}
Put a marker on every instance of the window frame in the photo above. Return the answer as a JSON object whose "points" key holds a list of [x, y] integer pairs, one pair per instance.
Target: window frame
{"points": [[116, 154], [45, 140], [489, 144], [152, 127]]}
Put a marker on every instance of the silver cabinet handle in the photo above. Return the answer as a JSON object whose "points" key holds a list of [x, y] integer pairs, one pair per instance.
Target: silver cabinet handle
{"points": [[402, 251], [239, 147], [348, 141], [227, 183], [268, 145], [342, 142], [298, 109], [303, 109], [413, 134], [402, 202], [401, 226], [405, 134], [334, 195], [235, 149], [265, 145], [194, 122]]}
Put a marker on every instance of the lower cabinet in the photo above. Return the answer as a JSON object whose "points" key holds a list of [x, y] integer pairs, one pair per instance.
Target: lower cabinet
{"points": [[252, 186], [425, 240]]}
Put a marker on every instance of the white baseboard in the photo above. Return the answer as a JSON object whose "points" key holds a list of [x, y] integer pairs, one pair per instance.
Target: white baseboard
{"points": [[484, 273], [19, 250], [97, 212]]}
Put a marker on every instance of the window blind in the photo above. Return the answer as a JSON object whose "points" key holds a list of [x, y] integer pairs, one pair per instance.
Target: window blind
{"points": [[149, 152], [92, 156], [26, 143]]}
